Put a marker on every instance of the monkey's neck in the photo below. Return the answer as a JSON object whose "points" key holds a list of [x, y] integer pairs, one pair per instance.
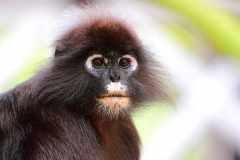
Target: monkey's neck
{"points": [[119, 138]]}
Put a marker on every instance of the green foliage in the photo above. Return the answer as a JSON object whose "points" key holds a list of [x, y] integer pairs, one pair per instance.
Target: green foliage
{"points": [[220, 27], [3, 32], [147, 119], [180, 34]]}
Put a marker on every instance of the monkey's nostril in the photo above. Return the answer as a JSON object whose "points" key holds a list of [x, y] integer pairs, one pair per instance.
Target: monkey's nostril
{"points": [[114, 78]]}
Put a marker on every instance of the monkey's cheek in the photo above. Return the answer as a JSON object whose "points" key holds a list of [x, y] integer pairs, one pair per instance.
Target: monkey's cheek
{"points": [[116, 103]]}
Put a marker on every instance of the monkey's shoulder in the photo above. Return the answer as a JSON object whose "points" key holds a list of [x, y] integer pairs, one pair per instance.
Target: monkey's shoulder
{"points": [[62, 137], [54, 134], [11, 98]]}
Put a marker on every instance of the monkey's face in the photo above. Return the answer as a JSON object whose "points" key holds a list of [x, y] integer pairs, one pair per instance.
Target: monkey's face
{"points": [[113, 71], [106, 69]]}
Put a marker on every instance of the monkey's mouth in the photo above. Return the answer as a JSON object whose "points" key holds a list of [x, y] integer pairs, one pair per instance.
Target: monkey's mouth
{"points": [[115, 101], [116, 95]]}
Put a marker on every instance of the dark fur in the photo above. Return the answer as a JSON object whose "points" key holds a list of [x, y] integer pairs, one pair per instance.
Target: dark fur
{"points": [[54, 114]]}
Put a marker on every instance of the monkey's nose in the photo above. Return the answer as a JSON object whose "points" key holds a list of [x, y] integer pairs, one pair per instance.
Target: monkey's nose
{"points": [[115, 78]]}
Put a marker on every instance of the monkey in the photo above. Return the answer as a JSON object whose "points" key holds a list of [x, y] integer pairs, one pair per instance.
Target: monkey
{"points": [[79, 104]]}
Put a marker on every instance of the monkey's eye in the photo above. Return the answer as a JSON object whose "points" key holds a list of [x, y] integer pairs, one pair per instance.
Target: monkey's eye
{"points": [[97, 62], [124, 62]]}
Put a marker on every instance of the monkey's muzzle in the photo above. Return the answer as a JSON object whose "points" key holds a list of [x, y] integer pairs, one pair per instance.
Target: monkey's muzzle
{"points": [[117, 100]]}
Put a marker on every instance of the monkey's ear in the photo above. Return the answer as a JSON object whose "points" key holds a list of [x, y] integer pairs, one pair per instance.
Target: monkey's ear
{"points": [[60, 49]]}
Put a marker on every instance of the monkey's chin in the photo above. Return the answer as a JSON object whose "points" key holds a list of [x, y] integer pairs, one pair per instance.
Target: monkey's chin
{"points": [[117, 103], [113, 106]]}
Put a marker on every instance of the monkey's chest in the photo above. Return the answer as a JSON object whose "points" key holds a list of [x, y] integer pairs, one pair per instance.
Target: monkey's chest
{"points": [[62, 140]]}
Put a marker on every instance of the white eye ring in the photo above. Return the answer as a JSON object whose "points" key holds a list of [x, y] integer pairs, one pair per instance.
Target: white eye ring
{"points": [[98, 62], [89, 62], [133, 61], [124, 62]]}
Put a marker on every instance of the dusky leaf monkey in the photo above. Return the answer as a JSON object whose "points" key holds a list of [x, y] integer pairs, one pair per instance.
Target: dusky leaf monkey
{"points": [[78, 107]]}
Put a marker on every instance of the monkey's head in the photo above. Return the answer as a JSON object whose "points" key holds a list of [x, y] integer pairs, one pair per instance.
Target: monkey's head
{"points": [[102, 67]]}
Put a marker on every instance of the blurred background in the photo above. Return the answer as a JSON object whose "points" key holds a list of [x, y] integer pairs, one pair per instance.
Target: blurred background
{"points": [[198, 42]]}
